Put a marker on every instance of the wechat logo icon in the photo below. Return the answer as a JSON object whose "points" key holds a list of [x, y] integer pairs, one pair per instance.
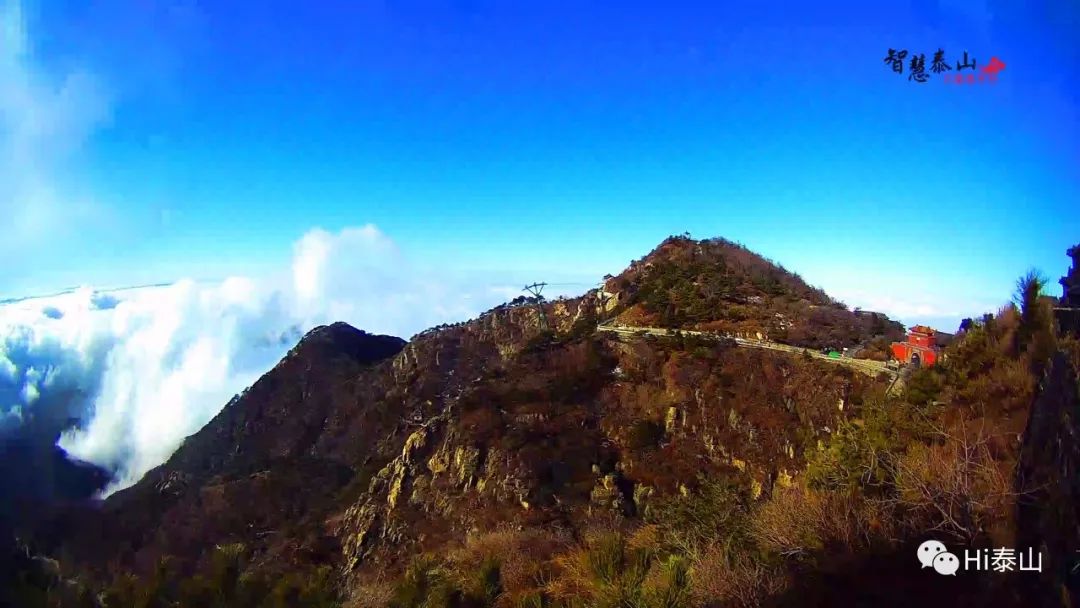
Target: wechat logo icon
{"points": [[933, 554]]}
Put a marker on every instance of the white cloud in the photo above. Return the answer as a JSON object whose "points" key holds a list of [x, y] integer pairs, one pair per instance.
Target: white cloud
{"points": [[154, 365], [44, 119], [914, 306]]}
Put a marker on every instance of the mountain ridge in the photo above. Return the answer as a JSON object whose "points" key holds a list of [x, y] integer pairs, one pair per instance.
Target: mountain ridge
{"points": [[357, 455], [303, 414]]}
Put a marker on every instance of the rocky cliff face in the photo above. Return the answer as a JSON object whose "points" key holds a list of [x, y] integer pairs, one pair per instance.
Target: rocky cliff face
{"points": [[581, 430], [263, 470], [1048, 486]]}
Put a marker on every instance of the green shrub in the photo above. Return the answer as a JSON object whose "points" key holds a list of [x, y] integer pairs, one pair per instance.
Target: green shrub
{"points": [[714, 513], [583, 327], [612, 564], [533, 600], [429, 584], [539, 342], [860, 451], [413, 588], [672, 590], [225, 583], [923, 386], [610, 572], [312, 589], [644, 434], [488, 586]]}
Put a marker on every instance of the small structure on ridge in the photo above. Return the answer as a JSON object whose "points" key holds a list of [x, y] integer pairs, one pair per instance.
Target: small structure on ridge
{"points": [[1068, 308], [919, 349]]}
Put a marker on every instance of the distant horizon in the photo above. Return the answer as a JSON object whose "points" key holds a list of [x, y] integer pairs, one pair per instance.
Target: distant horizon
{"points": [[579, 288], [146, 143]]}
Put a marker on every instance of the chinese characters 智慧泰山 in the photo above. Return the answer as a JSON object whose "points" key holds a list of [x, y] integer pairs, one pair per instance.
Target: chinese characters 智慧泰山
{"points": [[939, 65]]}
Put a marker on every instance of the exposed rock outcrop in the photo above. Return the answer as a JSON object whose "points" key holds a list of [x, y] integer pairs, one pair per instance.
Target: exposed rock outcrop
{"points": [[1048, 487]]}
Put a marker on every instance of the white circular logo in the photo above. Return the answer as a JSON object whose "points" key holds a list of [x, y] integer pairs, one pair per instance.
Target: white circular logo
{"points": [[928, 551], [946, 563]]}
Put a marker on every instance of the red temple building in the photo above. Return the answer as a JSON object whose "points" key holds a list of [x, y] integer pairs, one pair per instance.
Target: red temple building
{"points": [[919, 349]]}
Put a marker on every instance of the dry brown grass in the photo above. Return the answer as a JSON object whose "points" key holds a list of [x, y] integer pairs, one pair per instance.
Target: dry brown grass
{"points": [[574, 575], [615, 570], [795, 523], [720, 581], [370, 595], [524, 557], [648, 536], [572, 579], [955, 486], [799, 520]]}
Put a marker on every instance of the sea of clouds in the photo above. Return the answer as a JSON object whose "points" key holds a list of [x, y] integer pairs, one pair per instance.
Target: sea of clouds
{"points": [[141, 369], [129, 373]]}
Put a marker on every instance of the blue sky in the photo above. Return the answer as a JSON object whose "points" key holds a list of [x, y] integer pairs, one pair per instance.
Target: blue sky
{"points": [[553, 140]]}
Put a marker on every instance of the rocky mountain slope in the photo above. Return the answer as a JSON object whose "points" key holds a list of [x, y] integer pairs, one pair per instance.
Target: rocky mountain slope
{"points": [[719, 285], [363, 450], [368, 460]]}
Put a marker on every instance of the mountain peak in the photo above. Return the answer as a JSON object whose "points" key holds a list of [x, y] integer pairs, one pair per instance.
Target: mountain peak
{"points": [[719, 285], [344, 339]]}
